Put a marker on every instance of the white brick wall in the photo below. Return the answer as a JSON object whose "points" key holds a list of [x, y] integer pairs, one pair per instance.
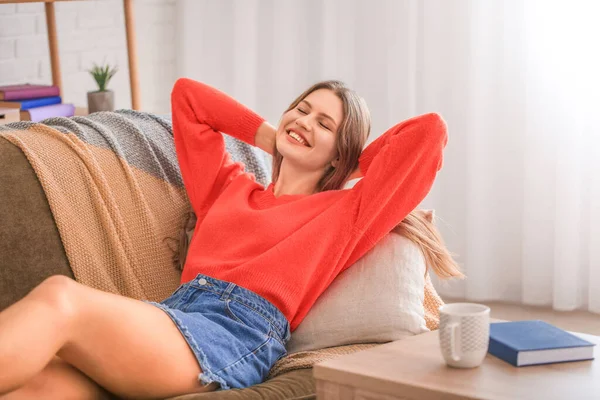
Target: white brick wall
{"points": [[92, 31]]}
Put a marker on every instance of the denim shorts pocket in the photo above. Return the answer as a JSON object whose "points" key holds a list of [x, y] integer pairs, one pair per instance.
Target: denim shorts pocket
{"points": [[247, 316]]}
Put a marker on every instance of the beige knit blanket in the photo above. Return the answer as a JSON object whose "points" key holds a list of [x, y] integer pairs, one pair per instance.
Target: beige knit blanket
{"points": [[116, 194], [306, 359]]}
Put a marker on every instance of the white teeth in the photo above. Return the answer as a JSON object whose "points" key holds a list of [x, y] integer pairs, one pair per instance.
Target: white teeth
{"points": [[297, 137]]}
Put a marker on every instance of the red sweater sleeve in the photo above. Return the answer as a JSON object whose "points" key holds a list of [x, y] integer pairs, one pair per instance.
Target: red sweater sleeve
{"points": [[399, 168], [200, 113]]}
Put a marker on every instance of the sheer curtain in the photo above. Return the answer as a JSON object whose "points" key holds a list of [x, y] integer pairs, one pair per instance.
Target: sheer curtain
{"points": [[518, 199]]}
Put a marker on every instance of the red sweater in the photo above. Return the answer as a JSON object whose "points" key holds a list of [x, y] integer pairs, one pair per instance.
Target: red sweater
{"points": [[289, 248]]}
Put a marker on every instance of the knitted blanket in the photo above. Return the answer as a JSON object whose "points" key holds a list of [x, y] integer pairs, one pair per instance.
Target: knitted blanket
{"points": [[115, 190], [307, 359]]}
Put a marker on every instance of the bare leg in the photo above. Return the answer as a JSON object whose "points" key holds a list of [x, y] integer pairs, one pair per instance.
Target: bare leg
{"points": [[129, 347], [60, 381]]}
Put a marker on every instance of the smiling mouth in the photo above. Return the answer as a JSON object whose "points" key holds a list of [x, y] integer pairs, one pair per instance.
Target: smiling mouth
{"points": [[297, 137]]}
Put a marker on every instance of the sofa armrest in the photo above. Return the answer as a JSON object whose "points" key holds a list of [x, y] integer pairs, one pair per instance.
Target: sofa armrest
{"points": [[30, 245]]}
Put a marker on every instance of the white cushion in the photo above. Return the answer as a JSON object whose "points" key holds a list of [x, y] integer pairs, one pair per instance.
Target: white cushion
{"points": [[378, 299]]}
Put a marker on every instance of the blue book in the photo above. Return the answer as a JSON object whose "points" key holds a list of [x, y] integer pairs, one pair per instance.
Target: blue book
{"points": [[522, 343], [27, 104]]}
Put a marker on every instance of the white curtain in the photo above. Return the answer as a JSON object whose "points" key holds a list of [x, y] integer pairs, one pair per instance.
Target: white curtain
{"points": [[518, 82]]}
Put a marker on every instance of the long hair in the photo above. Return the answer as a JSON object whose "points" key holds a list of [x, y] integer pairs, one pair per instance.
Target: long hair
{"points": [[419, 227], [351, 137]]}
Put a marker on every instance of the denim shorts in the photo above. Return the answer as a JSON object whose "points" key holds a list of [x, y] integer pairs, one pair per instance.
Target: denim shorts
{"points": [[235, 334]]}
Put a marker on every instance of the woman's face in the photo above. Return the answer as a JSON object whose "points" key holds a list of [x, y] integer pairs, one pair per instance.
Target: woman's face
{"points": [[316, 120]]}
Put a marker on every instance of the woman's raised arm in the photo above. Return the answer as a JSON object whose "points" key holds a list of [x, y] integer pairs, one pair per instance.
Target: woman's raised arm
{"points": [[200, 113], [399, 168], [265, 137]]}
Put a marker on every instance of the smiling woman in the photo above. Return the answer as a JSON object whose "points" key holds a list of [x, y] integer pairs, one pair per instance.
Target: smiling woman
{"points": [[334, 122], [254, 268]]}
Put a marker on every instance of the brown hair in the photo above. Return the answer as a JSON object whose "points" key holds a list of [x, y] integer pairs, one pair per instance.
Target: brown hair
{"points": [[419, 227], [351, 137]]}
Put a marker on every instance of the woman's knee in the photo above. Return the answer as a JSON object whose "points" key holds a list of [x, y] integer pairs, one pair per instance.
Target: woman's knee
{"points": [[59, 292]]}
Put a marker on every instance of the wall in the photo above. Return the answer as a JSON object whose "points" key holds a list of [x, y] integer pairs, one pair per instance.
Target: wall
{"points": [[88, 32]]}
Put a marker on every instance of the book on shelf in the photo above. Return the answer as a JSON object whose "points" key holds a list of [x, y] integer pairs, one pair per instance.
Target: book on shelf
{"points": [[523, 343], [28, 91], [26, 104], [55, 110]]}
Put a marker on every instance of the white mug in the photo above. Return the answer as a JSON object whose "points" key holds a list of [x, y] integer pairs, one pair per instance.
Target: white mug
{"points": [[464, 334]]}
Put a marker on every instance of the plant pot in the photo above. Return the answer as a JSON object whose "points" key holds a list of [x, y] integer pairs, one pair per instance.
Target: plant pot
{"points": [[101, 101]]}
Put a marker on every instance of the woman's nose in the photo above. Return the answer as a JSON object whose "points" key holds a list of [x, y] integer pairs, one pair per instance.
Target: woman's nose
{"points": [[303, 123]]}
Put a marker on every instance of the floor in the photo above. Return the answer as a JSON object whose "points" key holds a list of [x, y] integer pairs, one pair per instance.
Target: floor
{"points": [[577, 321]]}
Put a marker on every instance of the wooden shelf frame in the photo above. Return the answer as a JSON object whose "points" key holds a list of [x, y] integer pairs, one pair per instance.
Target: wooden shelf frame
{"points": [[53, 45]]}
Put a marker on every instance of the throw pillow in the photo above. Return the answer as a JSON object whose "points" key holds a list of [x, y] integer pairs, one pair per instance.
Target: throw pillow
{"points": [[378, 299]]}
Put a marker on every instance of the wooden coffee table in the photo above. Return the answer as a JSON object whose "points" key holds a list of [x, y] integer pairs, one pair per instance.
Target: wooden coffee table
{"points": [[413, 368]]}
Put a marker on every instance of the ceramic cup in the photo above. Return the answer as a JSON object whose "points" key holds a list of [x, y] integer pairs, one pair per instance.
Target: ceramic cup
{"points": [[464, 334]]}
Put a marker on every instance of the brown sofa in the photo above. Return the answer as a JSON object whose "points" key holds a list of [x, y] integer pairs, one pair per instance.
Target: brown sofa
{"points": [[31, 250]]}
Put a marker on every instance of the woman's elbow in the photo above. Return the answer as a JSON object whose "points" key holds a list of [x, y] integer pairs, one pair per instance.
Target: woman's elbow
{"points": [[179, 87], [436, 128]]}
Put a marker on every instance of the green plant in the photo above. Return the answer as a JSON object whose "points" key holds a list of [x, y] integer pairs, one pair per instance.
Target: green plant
{"points": [[102, 75]]}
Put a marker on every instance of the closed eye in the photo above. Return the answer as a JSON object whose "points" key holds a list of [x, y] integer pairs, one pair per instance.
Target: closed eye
{"points": [[320, 123]]}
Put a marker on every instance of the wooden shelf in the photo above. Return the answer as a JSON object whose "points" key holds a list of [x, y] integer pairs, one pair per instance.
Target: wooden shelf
{"points": [[53, 45]]}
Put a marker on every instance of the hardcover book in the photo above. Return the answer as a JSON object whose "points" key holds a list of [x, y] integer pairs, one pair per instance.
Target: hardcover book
{"points": [[31, 103], [522, 343], [56, 110], [28, 91]]}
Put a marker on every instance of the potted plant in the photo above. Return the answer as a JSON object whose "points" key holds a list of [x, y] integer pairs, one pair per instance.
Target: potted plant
{"points": [[102, 99]]}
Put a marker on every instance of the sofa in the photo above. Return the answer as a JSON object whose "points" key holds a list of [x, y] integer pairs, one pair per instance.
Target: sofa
{"points": [[31, 250]]}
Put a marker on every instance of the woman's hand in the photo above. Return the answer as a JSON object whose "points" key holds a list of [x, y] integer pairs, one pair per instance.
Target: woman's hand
{"points": [[265, 137]]}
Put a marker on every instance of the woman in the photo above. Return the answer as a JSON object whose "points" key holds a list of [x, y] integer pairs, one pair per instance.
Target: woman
{"points": [[259, 259]]}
